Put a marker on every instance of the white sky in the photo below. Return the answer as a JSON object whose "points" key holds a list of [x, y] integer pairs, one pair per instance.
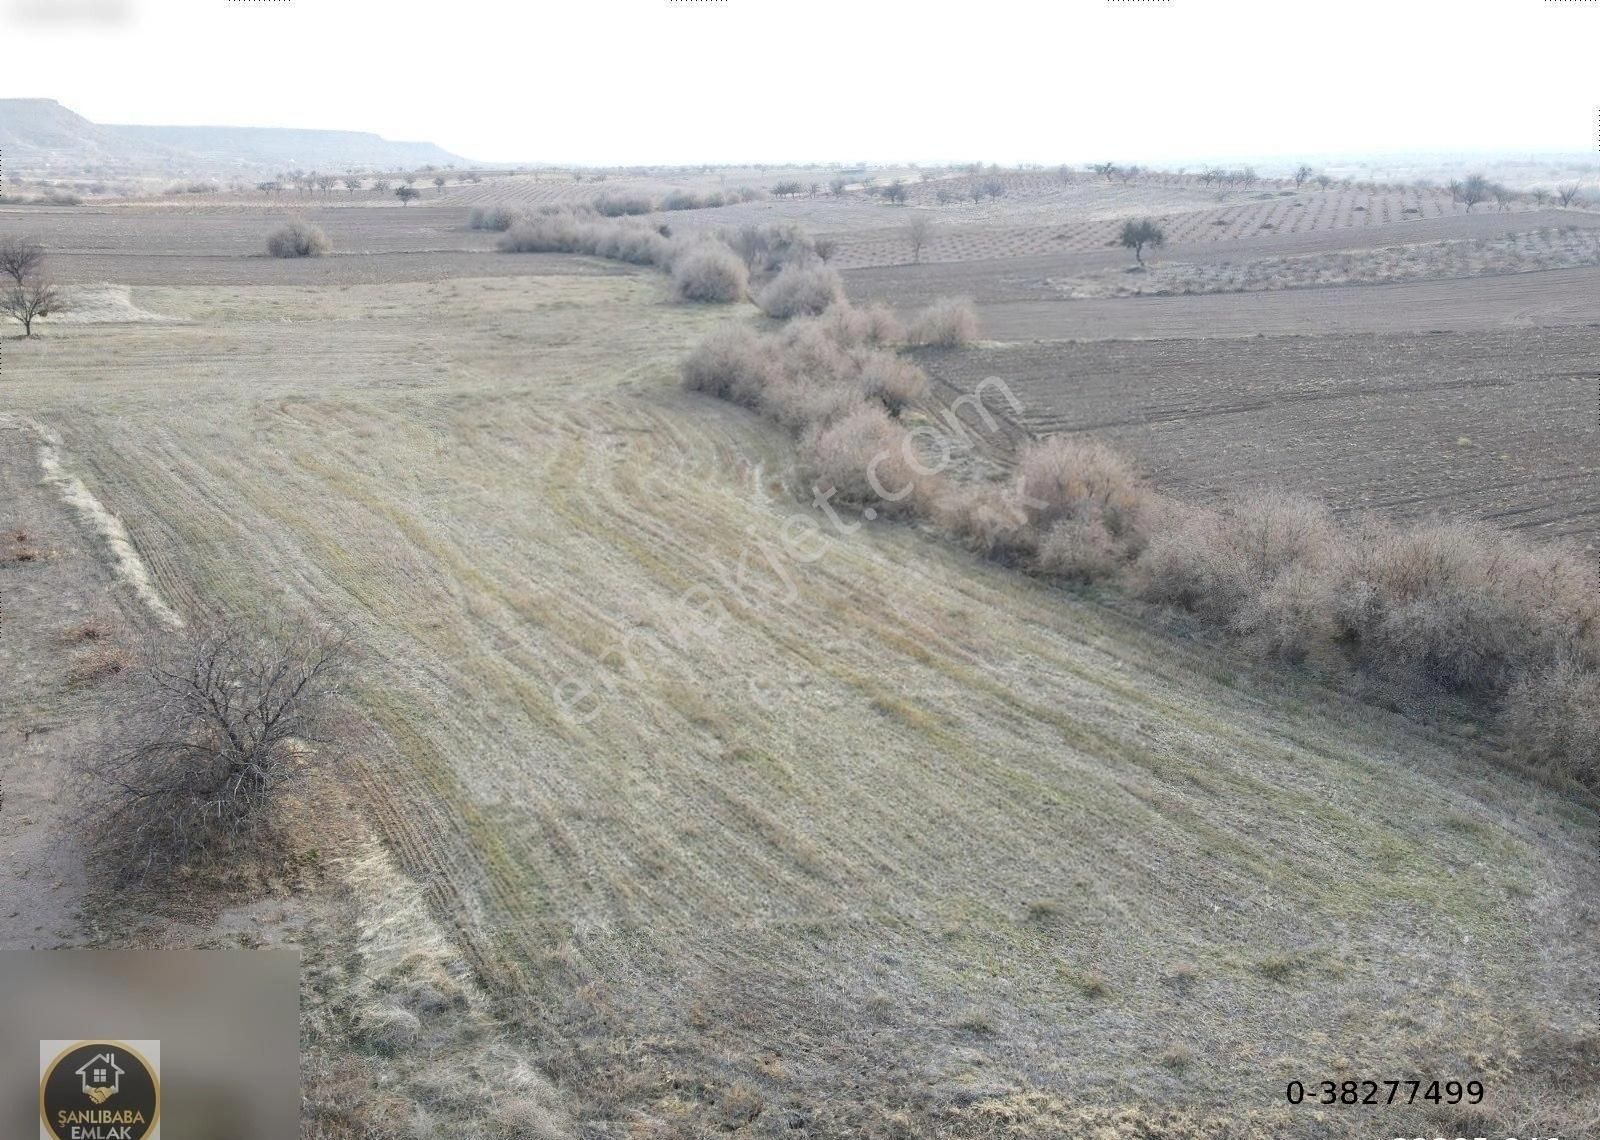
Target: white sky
{"points": [[607, 81]]}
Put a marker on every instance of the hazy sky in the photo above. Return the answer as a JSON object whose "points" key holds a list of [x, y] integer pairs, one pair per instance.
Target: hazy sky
{"points": [[1002, 80]]}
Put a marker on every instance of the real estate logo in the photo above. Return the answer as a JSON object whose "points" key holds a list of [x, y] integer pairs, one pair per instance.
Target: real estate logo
{"points": [[99, 1090]]}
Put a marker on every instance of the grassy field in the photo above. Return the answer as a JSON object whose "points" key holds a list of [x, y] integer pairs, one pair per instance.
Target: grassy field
{"points": [[750, 820]]}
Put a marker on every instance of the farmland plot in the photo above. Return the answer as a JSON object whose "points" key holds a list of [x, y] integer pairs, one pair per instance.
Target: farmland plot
{"points": [[882, 820]]}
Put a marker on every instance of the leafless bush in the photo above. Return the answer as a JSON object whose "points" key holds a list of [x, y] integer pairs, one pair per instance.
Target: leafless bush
{"points": [[989, 520], [733, 364], [947, 323], [618, 205], [632, 242], [709, 271], [1081, 550], [297, 239], [223, 726], [1552, 719], [873, 324], [499, 219], [566, 232], [1262, 567], [1464, 606], [892, 381], [684, 200], [545, 233], [868, 460], [800, 291]]}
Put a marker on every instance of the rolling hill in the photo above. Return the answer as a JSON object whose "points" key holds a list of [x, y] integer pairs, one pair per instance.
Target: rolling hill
{"points": [[41, 136]]}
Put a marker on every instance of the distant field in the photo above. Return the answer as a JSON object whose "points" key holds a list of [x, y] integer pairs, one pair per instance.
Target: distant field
{"points": [[1491, 425]]}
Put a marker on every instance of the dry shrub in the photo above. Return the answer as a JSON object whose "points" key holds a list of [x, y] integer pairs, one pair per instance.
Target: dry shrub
{"points": [[684, 200], [1552, 718], [618, 205], [1261, 567], [566, 232], [298, 239], [733, 364], [991, 522], [545, 233], [947, 323], [220, 728], [1060, 479], [1081, 550], [632, 242], [870, 461], [496, 218], [892, 381], [874, 324], [1464, 606], [709, 272], [801, 291]]}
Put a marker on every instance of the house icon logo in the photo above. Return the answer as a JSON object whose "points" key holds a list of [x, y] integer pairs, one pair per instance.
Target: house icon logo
{"points": [[99, 1090], [101, 1076]]}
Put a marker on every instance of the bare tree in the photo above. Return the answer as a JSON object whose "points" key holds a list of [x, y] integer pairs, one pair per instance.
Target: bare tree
{"points": [[896, 192], [352, 184], [1137, 235], [326, 183], [381, 185], [20, 258], [1503, 195], [1539, 195], [29, 299], [918, 231], [1567, 195], [1475, 189], [1301, 173], [837, 187], [825, 248], [217, 729]]}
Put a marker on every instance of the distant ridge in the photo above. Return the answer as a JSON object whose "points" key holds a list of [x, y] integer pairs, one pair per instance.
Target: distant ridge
{"points": [[41, 136]]}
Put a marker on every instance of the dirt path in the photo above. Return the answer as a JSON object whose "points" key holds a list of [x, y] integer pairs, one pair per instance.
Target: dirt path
{"points": [[52, 580]]}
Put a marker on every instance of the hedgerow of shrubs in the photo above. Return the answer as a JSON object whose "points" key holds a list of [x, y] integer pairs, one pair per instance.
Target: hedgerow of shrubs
{"points": [[705, 268], [1434, 609]]}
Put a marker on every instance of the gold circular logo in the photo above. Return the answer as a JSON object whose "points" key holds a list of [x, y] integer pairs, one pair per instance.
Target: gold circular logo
{"points": [[99, 1090]]}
